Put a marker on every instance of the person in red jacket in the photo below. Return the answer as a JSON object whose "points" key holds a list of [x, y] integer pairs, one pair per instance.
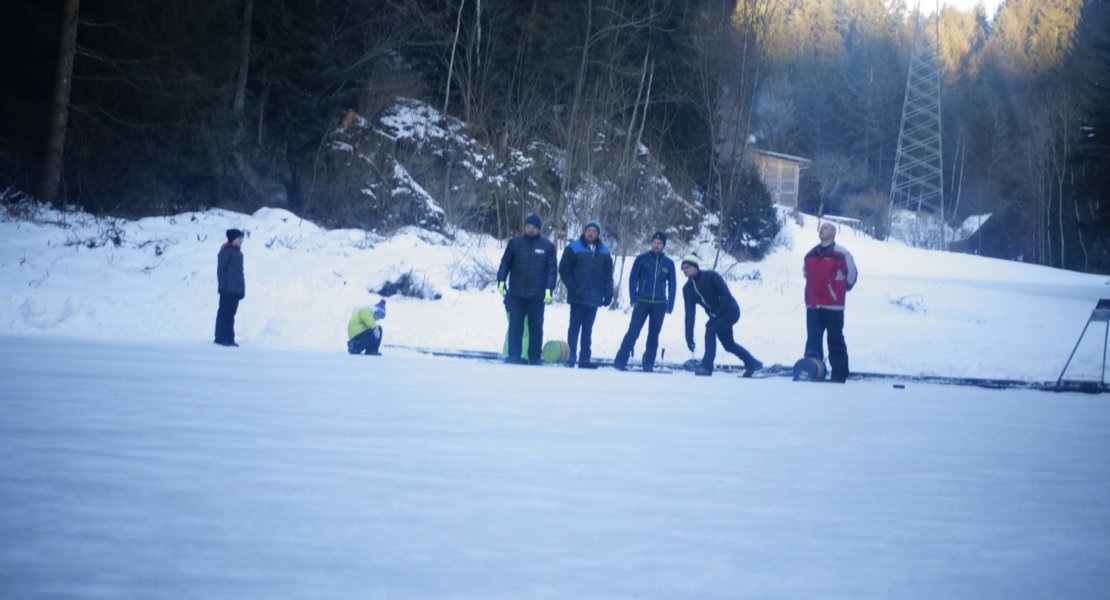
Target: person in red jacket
{"points": [[830, 271]]}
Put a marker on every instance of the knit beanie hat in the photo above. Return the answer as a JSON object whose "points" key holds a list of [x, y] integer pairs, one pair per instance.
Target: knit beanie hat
{"points": [[379, 309], [234, 234], [592, 223], [659, 235], [533, 219], [691, 259]]}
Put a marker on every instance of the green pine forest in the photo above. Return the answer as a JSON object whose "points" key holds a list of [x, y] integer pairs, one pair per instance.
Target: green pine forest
{"points": [[175, 106]]}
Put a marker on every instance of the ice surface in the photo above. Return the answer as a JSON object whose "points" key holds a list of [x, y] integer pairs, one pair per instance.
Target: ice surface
{"points": [[187, 470]]}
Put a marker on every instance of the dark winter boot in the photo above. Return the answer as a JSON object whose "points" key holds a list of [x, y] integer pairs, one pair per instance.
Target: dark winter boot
{"points": [[752, 367], [587, 365]]}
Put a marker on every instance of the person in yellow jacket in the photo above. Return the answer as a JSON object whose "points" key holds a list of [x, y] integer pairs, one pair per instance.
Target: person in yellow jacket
{"points": [[364, 334]]}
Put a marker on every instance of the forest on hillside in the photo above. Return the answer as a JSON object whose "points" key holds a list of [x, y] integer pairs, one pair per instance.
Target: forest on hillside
{"points": [[176, 106]]}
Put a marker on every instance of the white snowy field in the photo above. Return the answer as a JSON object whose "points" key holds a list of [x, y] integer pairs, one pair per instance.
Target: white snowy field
{"points": [[183, 470], [913, 312]]}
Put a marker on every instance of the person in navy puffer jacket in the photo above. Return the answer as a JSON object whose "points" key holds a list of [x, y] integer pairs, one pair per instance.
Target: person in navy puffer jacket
{"points": [[587, 270], [528, 266], [651, 292]]}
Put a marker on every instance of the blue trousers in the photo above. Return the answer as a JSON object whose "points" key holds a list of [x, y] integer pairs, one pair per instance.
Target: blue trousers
{"points": [[653, 313], [225, 318], [720, 328], [581, 319], [518, 309], [368, 341]]}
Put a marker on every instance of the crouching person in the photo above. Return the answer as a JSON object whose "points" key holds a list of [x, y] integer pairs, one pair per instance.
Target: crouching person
{"points": [[364, 335]]}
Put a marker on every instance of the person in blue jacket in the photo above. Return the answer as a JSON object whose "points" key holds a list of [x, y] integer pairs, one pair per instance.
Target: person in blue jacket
{"points": [[651, 292], [587, 270], [528, 266]]}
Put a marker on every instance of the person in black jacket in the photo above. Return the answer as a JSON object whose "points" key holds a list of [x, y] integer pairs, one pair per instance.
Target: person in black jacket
{"points": [[651, 291], [587, 270], [529, 267], [708, 289], [231, 285]]}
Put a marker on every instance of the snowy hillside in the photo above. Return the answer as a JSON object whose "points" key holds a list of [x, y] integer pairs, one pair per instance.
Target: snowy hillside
{"points": [[913, 311]]}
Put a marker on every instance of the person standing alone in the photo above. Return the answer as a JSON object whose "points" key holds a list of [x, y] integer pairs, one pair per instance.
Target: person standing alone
{"points": [[830, 272], [587, 270], [528, 267], [231, 285], [651, 292]]}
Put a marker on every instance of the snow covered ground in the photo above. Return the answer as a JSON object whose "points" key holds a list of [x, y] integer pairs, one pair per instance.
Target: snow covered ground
{"points": [[177, 469], [914, 312], [139, 460]]}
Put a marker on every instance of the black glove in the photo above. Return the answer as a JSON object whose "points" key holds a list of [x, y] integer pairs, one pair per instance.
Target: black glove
{"points": [[691, 345], [606, 301]]}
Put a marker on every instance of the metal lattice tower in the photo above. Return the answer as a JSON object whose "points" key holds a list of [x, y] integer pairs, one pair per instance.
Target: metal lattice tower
{"points": [[918, 183]]}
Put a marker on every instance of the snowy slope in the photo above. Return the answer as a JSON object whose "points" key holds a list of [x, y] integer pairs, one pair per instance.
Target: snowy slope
{"points": [[913, 312]]}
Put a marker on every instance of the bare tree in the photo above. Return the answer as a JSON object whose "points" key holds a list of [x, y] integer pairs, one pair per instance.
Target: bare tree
{"points": [[615, 23], [451, 61], [727, 74], [59, 112], [239, 100]]}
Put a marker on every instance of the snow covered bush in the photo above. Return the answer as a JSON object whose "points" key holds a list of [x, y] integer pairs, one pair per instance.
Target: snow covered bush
{"points": [[409, 284]]}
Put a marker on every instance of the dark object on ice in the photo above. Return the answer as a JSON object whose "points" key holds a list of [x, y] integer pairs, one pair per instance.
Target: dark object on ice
{"points": [[899, 386], [810, 369], [691, 365]]}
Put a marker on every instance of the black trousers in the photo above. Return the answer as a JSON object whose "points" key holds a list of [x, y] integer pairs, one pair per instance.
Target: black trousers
{"points": [[653, 313], [720, 328], [581, 319], [518, 309], [225, 318], [818, 321], [368, 341]]}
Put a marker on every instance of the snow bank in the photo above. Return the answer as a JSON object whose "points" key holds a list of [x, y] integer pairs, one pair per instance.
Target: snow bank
{"points": [[913, 312]]}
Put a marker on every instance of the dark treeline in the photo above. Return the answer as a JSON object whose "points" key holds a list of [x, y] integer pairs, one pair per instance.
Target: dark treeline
{"points": [[176, 106]]}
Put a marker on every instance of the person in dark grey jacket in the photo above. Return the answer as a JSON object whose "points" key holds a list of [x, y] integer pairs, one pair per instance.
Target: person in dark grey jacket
{"points": [[709, 289], [587, 270], [528, 266], [231, 285]]}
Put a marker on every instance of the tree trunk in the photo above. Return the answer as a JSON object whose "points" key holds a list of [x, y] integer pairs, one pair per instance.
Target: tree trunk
{"points": [[579, 87], [239, 102], [59, 113], [451, 62], [240, 98]]}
